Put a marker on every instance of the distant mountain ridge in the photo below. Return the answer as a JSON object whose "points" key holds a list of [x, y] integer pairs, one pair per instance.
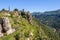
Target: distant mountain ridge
{"points": [[50, 18]]}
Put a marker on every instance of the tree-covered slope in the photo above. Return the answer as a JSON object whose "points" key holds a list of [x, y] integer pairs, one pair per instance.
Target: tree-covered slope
{"points": [[50, 18]]}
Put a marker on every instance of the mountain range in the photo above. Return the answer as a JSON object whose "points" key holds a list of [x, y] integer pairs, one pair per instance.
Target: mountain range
{"points": [[49, 18]]}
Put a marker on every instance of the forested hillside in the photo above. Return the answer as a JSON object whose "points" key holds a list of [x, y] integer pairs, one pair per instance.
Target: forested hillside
{"points": [[49, 18]]}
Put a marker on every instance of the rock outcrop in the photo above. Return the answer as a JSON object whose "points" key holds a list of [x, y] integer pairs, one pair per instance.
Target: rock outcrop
{"points": [[16, 13], [5, 26], [29, 17]]}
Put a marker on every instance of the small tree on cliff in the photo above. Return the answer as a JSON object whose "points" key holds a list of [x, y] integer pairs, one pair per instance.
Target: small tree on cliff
{"points": [[15, 9], [23, 13], [3, 10]]}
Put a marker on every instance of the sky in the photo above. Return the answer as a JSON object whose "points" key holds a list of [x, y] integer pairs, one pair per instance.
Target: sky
{"points": [[31, 5]]}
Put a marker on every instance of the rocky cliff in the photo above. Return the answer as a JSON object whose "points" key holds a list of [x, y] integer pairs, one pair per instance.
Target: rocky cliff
{"points": [[24, 27]]}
